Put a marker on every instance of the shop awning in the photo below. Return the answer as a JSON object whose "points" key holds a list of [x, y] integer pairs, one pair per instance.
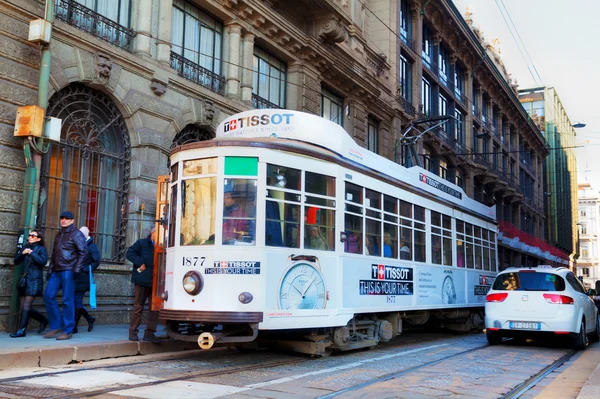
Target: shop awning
{"points": [[510, 236]]}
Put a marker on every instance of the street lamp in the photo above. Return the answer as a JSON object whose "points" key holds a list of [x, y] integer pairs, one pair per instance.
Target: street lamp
{"points": [[579, 125]]}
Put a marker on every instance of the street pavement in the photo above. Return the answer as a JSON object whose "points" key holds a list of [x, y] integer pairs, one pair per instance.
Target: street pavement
{"points": [[579, 378]]}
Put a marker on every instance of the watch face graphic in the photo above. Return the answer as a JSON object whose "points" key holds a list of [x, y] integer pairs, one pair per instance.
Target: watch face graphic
{"points": [[448, 291], [302, 285]]}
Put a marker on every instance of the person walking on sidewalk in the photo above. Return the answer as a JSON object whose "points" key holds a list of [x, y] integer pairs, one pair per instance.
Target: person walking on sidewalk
{"points": [[68, 257], [141, 254], [34, 257], [82, 280]]}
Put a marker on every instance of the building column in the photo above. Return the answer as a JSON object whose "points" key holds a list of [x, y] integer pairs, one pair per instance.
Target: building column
{"points": [[163, 45], [247, 72], [141, 44], [232, 89]]}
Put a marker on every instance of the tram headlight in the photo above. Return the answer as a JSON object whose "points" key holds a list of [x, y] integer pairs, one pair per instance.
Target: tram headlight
{"points": [[193, 282]]}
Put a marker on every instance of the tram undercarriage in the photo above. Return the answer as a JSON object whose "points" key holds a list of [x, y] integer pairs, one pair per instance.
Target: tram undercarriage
{"points": [[363, 331]]}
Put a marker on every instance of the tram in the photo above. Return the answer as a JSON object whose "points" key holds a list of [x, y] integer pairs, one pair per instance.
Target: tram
{"points": [[282, 227]]}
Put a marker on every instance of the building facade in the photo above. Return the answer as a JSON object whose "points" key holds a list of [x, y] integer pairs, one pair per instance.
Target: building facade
{"points": [[560, 167], [130, 79], [588, 264]]}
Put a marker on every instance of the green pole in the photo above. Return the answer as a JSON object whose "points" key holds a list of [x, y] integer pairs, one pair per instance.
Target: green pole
{"points": [[33, 163]]}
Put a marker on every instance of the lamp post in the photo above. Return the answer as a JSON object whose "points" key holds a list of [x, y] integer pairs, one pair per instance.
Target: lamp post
{"points": [[32, 151]]}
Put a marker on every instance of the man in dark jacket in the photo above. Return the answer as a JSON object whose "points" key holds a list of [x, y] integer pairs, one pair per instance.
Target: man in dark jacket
{"points": [[141, 254], [68, 256]]}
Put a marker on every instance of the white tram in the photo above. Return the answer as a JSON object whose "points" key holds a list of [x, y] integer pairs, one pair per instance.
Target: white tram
{"points": [[282, 225]]}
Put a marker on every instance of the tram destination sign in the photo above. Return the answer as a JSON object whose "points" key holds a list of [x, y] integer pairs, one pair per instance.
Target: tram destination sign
{"points": [[439, 186]]}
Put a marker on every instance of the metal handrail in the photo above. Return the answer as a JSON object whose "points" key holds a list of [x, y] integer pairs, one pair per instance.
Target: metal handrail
{"points": [[262, 103], [88, 20], [197, 74]]}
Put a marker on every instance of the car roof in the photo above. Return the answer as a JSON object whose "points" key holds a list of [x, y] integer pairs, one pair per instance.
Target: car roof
{"points": [[544, 268]]}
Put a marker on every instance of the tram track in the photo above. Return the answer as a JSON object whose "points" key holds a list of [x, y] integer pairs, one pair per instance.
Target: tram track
{"points": [[515, 393], [523, 388]]}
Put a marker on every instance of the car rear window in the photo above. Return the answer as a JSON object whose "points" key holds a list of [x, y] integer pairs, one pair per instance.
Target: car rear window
{"points": [[529, 281]]}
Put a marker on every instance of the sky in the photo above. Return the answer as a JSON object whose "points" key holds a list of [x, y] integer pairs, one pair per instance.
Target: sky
{"points": [[560, 41]]}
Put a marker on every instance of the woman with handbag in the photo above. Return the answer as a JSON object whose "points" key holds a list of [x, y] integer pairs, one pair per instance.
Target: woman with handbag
{"points": [[31, 283], [82, 280]]}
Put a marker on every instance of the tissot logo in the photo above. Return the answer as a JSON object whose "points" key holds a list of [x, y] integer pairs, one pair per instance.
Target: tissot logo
{"points": [[439, 185], [255, 120], [381, 272]]}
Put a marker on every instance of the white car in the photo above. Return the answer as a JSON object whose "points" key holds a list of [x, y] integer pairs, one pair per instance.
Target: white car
{"points": [[529, 301]]}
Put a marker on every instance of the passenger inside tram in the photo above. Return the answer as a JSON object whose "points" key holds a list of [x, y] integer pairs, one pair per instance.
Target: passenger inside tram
{"points": [[235, 225], [314, 239]]}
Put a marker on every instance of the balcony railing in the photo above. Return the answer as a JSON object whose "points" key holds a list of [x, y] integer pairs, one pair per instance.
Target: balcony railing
{"points": [[408, 42], [197, 74], [261, 103], [406, 106], [90, 21]]}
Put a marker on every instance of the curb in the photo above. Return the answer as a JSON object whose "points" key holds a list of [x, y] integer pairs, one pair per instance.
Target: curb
{"points": [[47, 357]]}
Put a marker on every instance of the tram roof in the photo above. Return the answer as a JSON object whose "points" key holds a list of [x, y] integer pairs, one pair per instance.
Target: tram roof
{"points": [[315, 130]]}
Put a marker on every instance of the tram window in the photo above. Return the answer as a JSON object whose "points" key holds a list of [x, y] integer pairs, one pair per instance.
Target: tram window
{"points": [[390, 204], [420, 213], [319, 229], [406, 209], [200, 167], [460, 251], [373, 238], [460, 226], [319, 184], [373, 214], [239, 211], [419, 246], [320, 201], [436, 250], [282, 223], [172, 215], [175, 171], [284, 177], [494, 267], [469, 254], [486, 259], [447, 251], [478, 257], [436, 218], [198, 204], [390, 241], [406, 243], [372, 199], [390, 218], [353, 193], [353, 227]]}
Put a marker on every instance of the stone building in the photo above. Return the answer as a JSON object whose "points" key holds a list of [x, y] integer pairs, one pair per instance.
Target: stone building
{"points": [[132, 78], [588, 264]]}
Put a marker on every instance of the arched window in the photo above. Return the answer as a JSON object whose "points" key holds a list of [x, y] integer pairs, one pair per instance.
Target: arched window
{"points": [[191, 134], [88, 171]]}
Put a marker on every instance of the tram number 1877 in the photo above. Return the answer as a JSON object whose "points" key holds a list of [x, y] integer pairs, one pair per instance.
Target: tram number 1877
{"points": [[391, 299], [193, 260]]}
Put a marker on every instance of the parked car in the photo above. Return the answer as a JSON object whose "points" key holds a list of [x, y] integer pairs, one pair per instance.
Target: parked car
{"points": [[535, 301]]}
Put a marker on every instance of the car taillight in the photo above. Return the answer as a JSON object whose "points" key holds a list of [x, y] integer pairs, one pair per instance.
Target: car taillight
{"points": [[499, 297], [559, 299]]}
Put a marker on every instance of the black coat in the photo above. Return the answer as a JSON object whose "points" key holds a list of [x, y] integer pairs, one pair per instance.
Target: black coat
{"points": [[34, 262], [69, 251], [82, 279], [142, 252]]}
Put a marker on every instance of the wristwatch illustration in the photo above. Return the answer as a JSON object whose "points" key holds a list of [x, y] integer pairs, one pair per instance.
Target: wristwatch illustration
{"points": [[302, 285], [448, 291]]}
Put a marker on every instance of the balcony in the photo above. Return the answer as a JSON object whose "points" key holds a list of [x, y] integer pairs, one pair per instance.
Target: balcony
{"points": [[406, 106], [261, 103], [91, 22], [197, 74], [408, 42]]}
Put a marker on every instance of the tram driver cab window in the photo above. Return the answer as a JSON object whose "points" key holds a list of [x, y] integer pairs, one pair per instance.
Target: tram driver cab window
{"points": [[239, 212]]}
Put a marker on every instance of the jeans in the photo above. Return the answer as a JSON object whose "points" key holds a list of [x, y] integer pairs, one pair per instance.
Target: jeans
{"points": [[61, 281]]}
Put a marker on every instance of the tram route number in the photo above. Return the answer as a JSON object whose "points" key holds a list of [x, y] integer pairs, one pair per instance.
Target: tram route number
{"points": [[193, 260], [391, 299]]}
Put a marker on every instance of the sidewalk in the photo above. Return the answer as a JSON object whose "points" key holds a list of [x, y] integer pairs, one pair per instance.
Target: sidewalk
{"points": [[105, 341]]}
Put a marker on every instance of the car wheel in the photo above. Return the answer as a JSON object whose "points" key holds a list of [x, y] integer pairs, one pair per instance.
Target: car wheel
{"points": [[580, 340], [493, 338], [595, 337]]}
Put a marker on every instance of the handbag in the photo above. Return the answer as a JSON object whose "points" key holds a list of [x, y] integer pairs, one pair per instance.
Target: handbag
{"points": [[92, 289], [22, 283]]}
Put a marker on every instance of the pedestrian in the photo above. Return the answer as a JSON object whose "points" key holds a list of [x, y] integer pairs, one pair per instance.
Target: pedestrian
{"points": [[34, 256], [68, 257], [82, 280], [141, 254]]}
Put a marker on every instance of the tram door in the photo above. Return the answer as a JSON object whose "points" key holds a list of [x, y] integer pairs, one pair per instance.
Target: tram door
{"points": [[160, 246]]}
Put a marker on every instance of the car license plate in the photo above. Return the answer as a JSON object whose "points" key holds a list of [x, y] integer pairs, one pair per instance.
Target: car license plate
{"points": [[525, 325]]}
